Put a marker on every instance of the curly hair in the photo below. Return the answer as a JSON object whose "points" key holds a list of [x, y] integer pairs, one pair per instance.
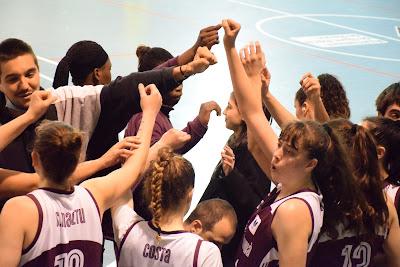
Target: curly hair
{"points": [[166, 184], [333, 97]]}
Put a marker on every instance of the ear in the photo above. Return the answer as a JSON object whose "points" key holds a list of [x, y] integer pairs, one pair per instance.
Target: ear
{"points": [[380, 150], [311, 165], [36, 161], [96, 75], [196, 227]]}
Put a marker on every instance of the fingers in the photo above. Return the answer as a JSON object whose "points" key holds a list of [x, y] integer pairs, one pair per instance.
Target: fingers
{"points": [[306, 75], [229, 151], [141, 89], [217, 109], [212, 28]]}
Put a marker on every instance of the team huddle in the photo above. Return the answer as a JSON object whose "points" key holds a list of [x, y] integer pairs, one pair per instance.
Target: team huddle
{"points": [[67, 182]]}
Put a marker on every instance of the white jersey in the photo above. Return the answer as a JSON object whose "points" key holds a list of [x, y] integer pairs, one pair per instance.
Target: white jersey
{"points": [[136, 239], [69, 230]]}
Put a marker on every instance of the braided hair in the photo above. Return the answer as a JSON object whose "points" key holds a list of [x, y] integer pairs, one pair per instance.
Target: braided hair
{"points": [[166, 184]]}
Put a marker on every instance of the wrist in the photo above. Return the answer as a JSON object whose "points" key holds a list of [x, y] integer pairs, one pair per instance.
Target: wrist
{"points": [[186, 70], [29, 117]]}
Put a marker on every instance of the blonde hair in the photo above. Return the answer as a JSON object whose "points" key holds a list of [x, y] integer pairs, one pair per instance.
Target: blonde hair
{"points": [[167, 182]]}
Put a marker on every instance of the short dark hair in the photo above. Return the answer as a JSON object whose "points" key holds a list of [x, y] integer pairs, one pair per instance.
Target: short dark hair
{"points": [[211, 211], [12, 48], [389, 96]]}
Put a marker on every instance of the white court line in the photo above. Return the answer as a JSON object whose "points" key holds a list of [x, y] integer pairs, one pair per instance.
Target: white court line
{"points": [[316, 20], [46, 77], [52, 62], [259, 23]]}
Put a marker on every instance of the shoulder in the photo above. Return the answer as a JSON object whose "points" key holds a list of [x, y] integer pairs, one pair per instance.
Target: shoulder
{"points": [[20, 209], [292, 215], [209, 254]]}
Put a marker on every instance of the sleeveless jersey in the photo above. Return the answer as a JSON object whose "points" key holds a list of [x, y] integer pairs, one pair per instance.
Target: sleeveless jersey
{"points": [[139, 247], [394, 193], [69, 230], [259, 248], [348, 249]]}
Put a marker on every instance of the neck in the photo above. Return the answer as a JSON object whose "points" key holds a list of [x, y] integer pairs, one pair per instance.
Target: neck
{"points": [[46, 182], [172, 221], [291, 187], [382, 172]]}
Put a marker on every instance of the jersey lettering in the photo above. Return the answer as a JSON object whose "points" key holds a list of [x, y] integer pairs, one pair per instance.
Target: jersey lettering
{"points": [[74, 258], [157, 253], [361, 253]]}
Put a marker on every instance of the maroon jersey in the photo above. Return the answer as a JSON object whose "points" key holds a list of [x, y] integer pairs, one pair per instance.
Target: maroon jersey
{"points": [[348, 249], [259, 248], [69, 232]]}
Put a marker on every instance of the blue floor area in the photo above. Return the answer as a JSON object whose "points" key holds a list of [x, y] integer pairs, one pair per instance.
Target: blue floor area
{"points": [[120, 26]]}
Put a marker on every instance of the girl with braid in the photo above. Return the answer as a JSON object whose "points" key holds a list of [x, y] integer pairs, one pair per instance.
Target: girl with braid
{"points": [[168, 187]]}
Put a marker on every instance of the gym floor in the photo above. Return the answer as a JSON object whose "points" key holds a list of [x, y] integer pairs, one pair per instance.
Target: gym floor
{"points": [[356, 40]]}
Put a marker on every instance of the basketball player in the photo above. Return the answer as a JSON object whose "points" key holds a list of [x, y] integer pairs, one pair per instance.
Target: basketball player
{"points": [[305, 160], [60, 224], [163, 241]]}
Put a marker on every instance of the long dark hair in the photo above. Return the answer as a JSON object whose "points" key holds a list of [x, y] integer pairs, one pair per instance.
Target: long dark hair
{"points": [[387, 134], [342, 198], [362, 150]]}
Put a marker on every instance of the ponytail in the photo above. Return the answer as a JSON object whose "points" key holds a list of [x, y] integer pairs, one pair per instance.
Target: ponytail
{"points": [[62, 73]]}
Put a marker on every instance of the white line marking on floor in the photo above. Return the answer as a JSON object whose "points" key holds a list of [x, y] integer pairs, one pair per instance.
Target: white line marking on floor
{"points": [[315, 20], [46, 77], [52, 62]]}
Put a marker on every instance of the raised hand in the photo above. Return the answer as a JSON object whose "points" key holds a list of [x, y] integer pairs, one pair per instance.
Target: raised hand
{"points": [[206, 109], [265, 81], [231, 29], [253, 59], [311, 86], [119, 152], [208, 37], [150, 98], [228, 160], [39, 103], [202, 60], [174, 139]]}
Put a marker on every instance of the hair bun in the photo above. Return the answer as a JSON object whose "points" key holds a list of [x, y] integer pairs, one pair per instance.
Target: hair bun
{"points": [[142, 50]]}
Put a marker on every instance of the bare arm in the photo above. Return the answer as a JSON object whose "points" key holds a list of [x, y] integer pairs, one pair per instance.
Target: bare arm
{"points": [[291, 228], [248, 94], [40, 101], [106, 190], [18, 224], [391, 245], [281, 115], [312, 89], [258, 155]]}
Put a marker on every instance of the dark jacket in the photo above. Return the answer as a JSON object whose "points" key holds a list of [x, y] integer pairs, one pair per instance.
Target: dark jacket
{"points": [[243, 188]]}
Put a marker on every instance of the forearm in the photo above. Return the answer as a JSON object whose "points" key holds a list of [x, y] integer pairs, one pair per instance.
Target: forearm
{"points": [[318, 109], [187, 56], [280, 114], [11, 130], [86, 169], [14, 183], [249, 99]]}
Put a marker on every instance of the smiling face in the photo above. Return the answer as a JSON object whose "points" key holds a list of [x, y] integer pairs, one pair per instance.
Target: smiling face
{"points": [[19, 79]]}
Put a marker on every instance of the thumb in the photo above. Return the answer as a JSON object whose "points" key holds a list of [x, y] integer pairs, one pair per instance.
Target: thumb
{"points": [[142, 91]]}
